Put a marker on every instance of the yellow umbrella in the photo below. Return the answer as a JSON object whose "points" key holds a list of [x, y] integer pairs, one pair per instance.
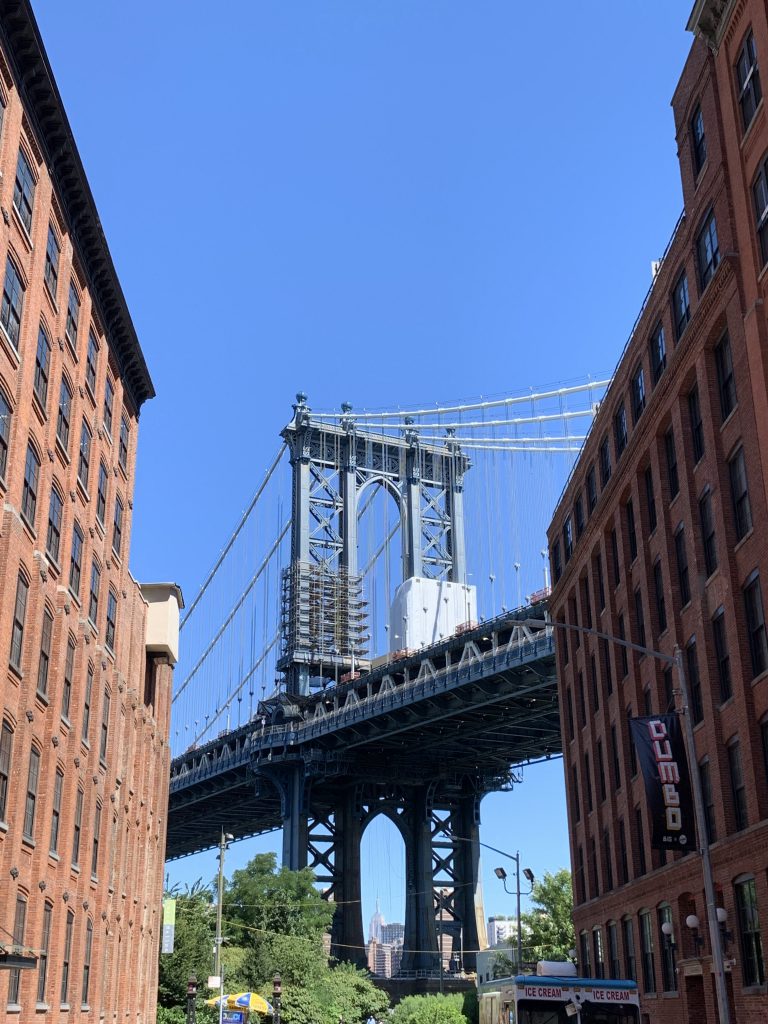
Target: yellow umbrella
{"points": [[249, 1001], [216, 1001]]}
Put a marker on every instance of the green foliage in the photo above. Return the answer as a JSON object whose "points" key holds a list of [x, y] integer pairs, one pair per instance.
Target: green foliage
{"points": [[549, 933], [436, 1009], [174, 1015], [193, 947]]}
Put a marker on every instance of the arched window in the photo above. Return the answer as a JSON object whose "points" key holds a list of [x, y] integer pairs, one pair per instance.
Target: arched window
{"points": [[64, 414], [6, 748], [29, 489], [42, 956], [42, 366], [12, 304], [53, 535], [87, 960], [19, 617], [44, 661], [5, 432]]}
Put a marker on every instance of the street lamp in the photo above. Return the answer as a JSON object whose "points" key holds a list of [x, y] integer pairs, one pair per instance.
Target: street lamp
{"points": [[501, 874], [676, 659], [218, 969]]}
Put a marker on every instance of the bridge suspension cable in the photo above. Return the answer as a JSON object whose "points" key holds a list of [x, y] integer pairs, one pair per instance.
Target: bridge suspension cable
{"points": [[228, 546]]}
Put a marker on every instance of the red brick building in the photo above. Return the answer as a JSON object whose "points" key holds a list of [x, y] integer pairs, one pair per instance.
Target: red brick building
{"points": [[658, 539], [88, 653]]}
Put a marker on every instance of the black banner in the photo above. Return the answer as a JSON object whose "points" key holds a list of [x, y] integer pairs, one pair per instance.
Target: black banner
{"points": [[661, 753]]}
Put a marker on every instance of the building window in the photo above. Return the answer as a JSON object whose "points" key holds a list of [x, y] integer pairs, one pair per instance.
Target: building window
{"points": [[578, 516], [742, 510], [640, 839], [631, 531], [76, 560], [697, 427], [87, 703], [93, 601], [758, 646], [69, 672], [668, 960], [763, 735], [66, 957], [671, 457], [682, 566], [51, 272], [669, 690], [582, 700], [101, 494], [73, 315], [646, 945], [42, 367], [91, 362], [33, 777], [586, 601], [84, 462], [19, 614], [706, 520], [5, 433], [58, 787], [6, 747], [77, 829], [699, 141], [738, 790], [53, 536], [623, 858], [681, 305], [606, 652], [760, 193], [576, 805], [752, 966], [615, 558], [600, 581], [638, 394], [597, 942], [109, 638], [650, 498], [721, 654], [65, 411], [109, 404], [591, 489], [605, 462], [615, 758], [12, 303], [24, 190], [726, 382], [661, 607], [87, 960], [613, 950], [630, 963], [709, 804], [95, 842], [567, 539], [122, 449], [657, 351], [45, 653], [104, 727], [708, 251], [19, 922], [595, 688], [639, 617], [569, 711], [588, 783], [29, 490], [601, 772], [557, 563], [42, 956], [621, 433], [584, 964], [694, 681], [748, 79]]}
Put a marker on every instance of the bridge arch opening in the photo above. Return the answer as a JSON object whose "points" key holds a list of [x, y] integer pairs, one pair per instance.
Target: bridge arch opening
{"points": [[382, 877], [380, 558]]}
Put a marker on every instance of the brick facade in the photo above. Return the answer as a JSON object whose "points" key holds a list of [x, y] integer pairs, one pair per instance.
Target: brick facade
{"points": [[85, 705], [659, 538]]}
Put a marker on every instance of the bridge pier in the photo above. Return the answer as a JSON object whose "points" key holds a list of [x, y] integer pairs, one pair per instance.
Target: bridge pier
{"points": [[291, 784], [420, 949]]}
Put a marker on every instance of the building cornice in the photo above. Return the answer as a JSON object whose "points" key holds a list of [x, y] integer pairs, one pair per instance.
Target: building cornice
{"points": [[709, 20], [43, 104]]}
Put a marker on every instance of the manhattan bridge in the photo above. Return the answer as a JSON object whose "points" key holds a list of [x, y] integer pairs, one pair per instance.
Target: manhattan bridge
{"points": [[369, 642]]}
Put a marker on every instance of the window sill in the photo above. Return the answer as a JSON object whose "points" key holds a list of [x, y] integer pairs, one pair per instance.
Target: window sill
{"points": [[7, 343], [66, 722], [28, 841], [52, 855], [42, 1007], [13, 1008], [83, 491], [3, 826], [29, 527], [760, 678], [85, 744], [74, 869], [748, 131], [39, 408], [61, 451], [726, 704], [51, 297], [729, 417], [42, 698], [72, 346], [744, 539], [713, 575], [64, 1006], [23, 229], [700, 174], [74, 596], [89, 392]]}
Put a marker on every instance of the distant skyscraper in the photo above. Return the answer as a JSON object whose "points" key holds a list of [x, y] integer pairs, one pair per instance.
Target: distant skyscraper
{"points": [[392, 933], [376, 926], [501, 930]]}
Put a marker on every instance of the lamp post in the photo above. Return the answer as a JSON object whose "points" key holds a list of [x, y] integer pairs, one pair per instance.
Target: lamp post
{"points": [[501, 874], [277, 991], [676, 659], [191, 998]]}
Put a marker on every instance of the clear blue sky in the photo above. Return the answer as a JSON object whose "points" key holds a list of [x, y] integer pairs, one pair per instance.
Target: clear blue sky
{"points": [[383, 200]]}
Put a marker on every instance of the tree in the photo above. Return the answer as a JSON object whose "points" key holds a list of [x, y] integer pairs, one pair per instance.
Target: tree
{"points": [[549, 933], [192, 947], [435, 1009]]}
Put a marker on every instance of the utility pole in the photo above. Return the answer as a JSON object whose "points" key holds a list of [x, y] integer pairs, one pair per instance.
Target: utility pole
{"points": [[218, 968]]}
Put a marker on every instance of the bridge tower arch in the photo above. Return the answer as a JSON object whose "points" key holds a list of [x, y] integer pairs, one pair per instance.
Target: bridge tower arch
{"points": [[323, 618]]}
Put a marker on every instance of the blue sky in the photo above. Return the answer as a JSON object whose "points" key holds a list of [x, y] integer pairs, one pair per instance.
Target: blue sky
{"points": [[389, 202]]}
